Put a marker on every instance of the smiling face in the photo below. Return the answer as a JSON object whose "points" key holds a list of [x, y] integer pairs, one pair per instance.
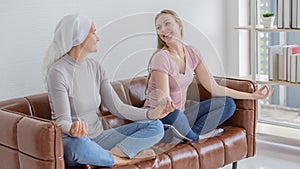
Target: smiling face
{"points": [[168, 28]]}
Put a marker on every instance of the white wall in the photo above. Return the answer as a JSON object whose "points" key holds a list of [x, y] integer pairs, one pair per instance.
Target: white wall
{"points": [[238, 63], [126, 36]]}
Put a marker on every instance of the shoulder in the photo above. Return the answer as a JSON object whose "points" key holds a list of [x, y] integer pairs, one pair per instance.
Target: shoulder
{"points": [[59, 66], [161, 61], [161, 56], [58, 73], [194, 56], [193, 52]]}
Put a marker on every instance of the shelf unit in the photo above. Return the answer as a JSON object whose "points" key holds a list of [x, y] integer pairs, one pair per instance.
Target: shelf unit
{"points": [[254, 31]]}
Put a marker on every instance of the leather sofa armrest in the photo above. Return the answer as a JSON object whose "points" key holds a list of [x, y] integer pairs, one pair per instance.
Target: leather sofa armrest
{"points": [[197, 92], [34, 142], [245, 114], [240, 85]]}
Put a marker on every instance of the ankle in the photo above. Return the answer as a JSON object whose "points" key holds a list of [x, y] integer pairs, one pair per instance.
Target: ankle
{"points": [[148, 153], [212, 133], [118, 152], [89, 166]]}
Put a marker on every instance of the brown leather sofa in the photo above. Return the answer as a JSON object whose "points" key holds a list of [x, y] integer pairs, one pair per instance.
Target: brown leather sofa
{"points": [[30, 140]]}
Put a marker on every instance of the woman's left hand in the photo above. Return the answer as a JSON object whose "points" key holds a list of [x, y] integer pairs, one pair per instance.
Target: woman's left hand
{"points": [[260, 94], [162, 110]]}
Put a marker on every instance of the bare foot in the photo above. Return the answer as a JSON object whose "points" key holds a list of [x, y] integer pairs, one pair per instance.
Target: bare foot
{"points": [[88, 166], [163, 147], [149, 153], [126, 161], [118, 152], [212, 133]]}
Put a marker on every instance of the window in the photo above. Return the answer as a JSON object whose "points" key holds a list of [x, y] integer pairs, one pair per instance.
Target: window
{"points": [[283, 107]]}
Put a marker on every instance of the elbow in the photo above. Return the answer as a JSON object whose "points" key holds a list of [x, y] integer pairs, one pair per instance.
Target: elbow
{"points": [[217, 90]]}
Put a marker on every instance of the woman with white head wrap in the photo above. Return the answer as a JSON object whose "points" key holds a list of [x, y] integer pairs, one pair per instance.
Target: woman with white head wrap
{"points": [[69, 32], [77, 85]]}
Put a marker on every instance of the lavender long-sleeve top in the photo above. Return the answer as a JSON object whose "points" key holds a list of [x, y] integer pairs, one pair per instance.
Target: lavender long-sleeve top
{"points": [[76, 90]]}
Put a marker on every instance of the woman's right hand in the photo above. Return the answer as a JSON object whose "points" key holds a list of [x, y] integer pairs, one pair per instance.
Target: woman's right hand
{"points": [[79, 128], [162, 110], [263, 92]]}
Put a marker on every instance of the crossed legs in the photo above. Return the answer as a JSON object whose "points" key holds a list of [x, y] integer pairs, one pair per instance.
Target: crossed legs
{"points": [[115, 146]]}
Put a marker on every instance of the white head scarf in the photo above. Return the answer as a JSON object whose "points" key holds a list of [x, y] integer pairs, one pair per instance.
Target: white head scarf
{"points": [[70, 31]]}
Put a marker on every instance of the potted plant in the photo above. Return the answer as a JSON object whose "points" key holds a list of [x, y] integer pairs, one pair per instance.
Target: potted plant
{"points": [[268, 19]]}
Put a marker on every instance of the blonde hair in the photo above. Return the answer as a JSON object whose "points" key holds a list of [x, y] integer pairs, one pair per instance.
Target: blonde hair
{"points": [[160, 43]]}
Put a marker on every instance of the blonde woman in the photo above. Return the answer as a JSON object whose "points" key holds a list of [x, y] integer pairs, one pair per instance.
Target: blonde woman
{"points": [[171, 71]]}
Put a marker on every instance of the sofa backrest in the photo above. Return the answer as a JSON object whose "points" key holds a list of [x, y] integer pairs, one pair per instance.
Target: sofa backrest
{"points": [[39, 105], [18, 105], [134, 90], [130, 91]]}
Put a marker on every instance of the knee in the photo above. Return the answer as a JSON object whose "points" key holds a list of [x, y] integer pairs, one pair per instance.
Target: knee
{"points": [[157, 125], [73, 148], [171, 117], [76, 145], [230, 104]]}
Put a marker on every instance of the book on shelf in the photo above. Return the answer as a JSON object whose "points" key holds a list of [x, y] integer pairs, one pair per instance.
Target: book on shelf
{"points": [[273, 57], [280, 14], [283, 63], [294, 7], [294, 68], [298, 68], [286, 14], [289, 50], [298, 14]]}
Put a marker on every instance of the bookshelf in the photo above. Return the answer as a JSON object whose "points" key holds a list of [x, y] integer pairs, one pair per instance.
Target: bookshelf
{"points": [[254, 30]]}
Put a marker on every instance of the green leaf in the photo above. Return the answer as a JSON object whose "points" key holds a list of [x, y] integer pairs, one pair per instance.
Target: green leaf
{"points": [[268, 14]]}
